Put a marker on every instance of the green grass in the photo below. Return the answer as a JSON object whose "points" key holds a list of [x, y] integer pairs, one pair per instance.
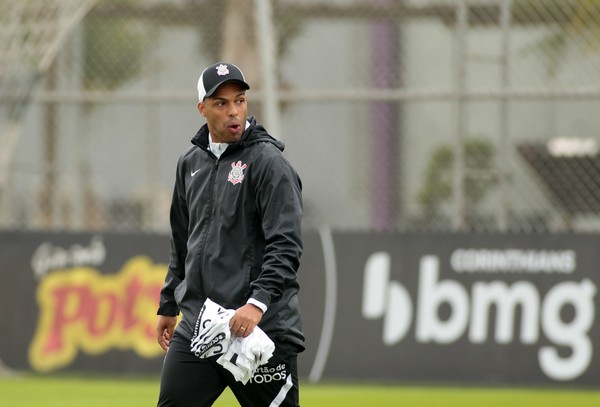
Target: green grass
{"points": [[52, 391]]}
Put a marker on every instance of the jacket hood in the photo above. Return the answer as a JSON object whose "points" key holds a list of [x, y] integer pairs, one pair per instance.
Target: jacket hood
{"points": [[255, 133]]}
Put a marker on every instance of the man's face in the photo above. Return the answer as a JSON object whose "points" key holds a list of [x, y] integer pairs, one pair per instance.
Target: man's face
{"points": [[225, 112]]}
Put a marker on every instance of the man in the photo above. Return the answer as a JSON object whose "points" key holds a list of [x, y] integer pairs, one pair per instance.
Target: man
{"points": [[235, 223]]}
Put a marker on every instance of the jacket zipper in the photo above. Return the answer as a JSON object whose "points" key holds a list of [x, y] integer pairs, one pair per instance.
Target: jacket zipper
{"points": [[211, 201]]}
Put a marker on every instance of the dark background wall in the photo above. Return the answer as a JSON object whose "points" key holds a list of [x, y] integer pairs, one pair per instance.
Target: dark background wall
{"points": [[461, 308]]}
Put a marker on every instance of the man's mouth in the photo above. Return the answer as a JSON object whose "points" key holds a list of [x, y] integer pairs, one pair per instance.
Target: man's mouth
{"points": [[234, 127]]}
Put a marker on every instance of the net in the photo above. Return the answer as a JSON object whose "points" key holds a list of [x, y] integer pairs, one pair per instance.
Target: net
{"points": [[31, 34]]}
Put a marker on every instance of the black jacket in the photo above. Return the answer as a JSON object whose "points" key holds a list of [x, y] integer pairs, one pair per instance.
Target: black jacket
{"points": [[235, 224]]}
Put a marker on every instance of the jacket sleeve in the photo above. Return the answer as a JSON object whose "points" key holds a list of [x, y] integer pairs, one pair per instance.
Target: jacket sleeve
{"points": [[179, 236], [278, 194]]}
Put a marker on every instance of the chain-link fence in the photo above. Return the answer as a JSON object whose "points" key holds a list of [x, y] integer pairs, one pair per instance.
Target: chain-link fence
{"points": [[398, 114]]}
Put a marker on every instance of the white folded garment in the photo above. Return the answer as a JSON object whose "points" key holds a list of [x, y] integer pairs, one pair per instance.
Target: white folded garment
{"points": [[241, 356], [211, 334], [246, 354]]}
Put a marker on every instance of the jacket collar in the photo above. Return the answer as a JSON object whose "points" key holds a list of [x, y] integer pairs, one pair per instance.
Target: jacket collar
{"points": [[254, 133]]}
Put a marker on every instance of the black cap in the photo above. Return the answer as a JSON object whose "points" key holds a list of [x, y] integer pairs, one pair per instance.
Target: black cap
{"points": [[216, 75]]}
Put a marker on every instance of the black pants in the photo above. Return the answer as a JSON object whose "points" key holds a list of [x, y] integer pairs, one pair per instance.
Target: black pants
{"points": [[190, 381]]}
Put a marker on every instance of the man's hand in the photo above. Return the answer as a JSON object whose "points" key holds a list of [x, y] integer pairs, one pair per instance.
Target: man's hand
{"points": [[245, 320], [164, 330]]}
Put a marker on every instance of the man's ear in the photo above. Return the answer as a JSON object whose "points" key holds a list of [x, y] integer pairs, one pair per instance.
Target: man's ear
{"points": [[201, 109]]}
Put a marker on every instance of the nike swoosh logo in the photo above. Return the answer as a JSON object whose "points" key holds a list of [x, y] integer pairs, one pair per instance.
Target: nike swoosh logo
{"points": [[194, 172]]}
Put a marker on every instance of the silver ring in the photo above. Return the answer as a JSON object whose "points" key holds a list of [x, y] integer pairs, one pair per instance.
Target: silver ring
{"points": [[243, 329]]}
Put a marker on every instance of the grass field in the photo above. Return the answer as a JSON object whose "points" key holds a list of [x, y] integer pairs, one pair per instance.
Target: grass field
{"points": [[29, 391]]}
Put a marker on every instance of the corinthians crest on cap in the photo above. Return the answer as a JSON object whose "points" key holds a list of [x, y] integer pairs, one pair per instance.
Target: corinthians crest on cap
{"points": [[222, 70], [236, 175]]}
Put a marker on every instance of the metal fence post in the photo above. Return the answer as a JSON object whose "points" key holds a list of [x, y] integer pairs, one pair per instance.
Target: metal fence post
{"points": [[267, 47]]}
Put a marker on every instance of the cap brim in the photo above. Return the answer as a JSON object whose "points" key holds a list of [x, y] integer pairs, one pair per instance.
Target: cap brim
{"points": [[214, 88]]}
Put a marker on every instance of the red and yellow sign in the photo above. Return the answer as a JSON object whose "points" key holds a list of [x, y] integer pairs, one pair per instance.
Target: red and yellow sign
{"points": [[84, 310]]}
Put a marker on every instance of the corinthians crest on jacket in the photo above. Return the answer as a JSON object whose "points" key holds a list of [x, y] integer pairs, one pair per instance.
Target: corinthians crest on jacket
{"points": [[236, 175]]}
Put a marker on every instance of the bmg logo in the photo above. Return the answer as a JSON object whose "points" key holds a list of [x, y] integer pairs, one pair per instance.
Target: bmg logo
{"points": [[470, 313]]}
